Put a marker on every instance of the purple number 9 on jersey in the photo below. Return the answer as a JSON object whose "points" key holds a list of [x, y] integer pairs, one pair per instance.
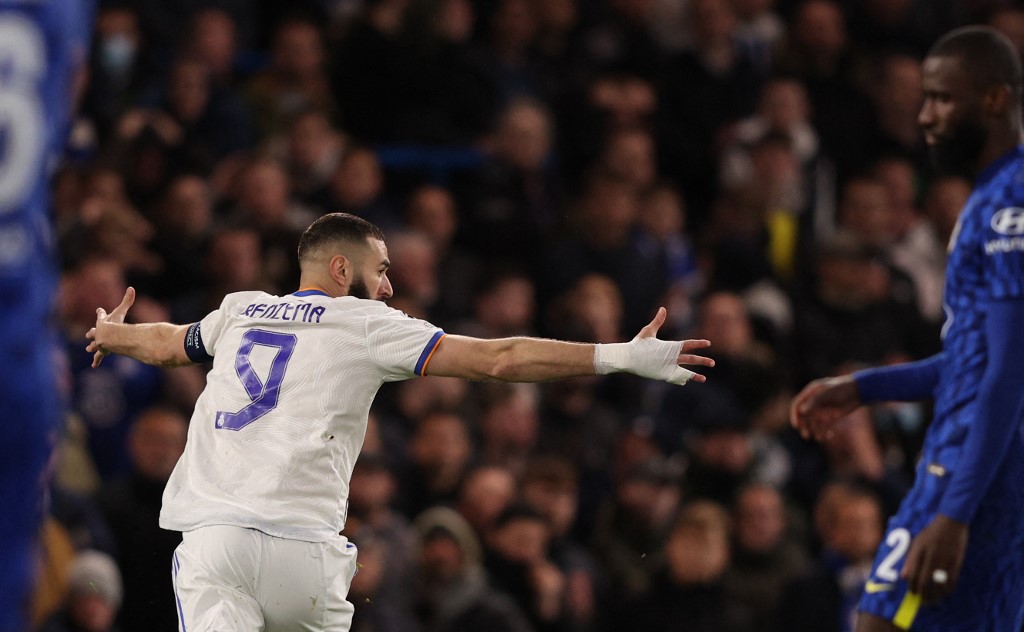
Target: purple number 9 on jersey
{"points": [[264, 395]]}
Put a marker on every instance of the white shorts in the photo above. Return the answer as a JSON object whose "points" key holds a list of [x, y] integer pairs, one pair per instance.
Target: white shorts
{"points": [[231, 579]]}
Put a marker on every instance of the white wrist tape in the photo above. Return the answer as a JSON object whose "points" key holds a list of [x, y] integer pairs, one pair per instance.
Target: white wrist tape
{"points": [[646, 357]]}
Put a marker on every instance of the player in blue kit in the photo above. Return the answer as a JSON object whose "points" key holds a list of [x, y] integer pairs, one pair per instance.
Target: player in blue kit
{"points": [[953, 555], [43, 45]]}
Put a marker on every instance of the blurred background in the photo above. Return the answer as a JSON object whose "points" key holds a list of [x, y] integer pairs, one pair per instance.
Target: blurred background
{"points": [[540, 167]]}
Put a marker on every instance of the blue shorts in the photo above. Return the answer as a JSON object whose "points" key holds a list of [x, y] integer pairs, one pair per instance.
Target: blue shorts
{"points": [[989, 595]]}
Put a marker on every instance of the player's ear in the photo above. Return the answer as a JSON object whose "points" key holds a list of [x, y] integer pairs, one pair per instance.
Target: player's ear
{"points": [[997, 99], [340, 269]]}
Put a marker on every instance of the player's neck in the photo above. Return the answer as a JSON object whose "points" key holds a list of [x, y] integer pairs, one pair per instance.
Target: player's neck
{"points": [[305, 286], [998, 146]]}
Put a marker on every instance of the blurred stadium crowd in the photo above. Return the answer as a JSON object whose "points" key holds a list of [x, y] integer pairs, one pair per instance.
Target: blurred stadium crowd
{"points": [[540, 167]]}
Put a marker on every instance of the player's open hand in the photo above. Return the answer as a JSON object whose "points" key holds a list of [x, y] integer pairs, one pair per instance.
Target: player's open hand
{"points": [[821, 404], [102, 317], [680, 375], [935, 557]]}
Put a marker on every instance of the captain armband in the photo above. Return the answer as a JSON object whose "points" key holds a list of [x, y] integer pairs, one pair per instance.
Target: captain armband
{"points": [[194, 348]]}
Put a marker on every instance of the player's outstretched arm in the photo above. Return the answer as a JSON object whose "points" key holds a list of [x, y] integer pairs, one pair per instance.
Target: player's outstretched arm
{"points": [[160, 344], [821, 404], [538, 360]]}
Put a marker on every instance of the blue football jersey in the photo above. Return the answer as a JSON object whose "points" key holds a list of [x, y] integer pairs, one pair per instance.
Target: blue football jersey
{"points": [[43, 43], [986, 262]]}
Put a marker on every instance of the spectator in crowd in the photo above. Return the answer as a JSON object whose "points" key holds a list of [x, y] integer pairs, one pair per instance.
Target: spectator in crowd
{"points": [[610, 98], [485, 494], [512, 202], [453, 592], [516, 559], [589, 310], [942, 204], [748, 367], [509, 424], [1009, 20], [851, 315], [622, 38], [119, 66], [915, 250], [213, 40], [503, 305], [440, 452], [296, 79], [707, 87], [357, 187], [550, 487], [633, 525], [109, 398], [401, 408], [311, 150], [184, 221], [820, 54], [512, 28], [784, 111], [765, 556], [451, 78], [433, 212], [263, 200], [230, 262], [54, 556], [386, 544], [95, 593], [604, 240], [897, 97], [580, 426], [131, 505], [381, 606], [688, 586], [663, 222], [415, 276], [760, 31], [373, 70], [825, 599], [197, 121], [629, 153]]}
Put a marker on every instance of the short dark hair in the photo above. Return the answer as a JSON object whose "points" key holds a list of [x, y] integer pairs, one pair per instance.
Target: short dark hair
{"points": [[987, 55], [335, 228]]}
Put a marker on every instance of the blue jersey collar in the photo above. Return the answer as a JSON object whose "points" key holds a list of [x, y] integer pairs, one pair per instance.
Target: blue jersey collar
{"points": [[996, 165], [311, 293]]}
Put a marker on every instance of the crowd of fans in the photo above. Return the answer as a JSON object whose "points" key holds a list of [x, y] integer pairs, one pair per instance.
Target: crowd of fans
{"points": [[540, 167]]}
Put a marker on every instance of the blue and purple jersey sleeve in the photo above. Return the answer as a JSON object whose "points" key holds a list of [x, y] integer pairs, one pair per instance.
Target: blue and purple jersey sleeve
{"points": [[908, 382], [1000, 407]]}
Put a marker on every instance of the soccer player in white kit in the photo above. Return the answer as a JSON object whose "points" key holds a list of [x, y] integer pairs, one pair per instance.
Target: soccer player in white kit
{"points": [[260, 493]]}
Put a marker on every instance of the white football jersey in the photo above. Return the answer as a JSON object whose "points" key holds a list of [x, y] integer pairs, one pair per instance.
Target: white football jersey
{"points": [[276, 432]]}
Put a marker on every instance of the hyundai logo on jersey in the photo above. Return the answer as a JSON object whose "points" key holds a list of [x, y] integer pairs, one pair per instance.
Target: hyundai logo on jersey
{"points": [[1009, 221]]}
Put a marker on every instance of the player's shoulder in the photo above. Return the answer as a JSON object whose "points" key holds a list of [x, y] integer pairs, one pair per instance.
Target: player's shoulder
{"points": [[1002, 192], [367, 308], [379, 312], [1008, 181], [242, 299]]}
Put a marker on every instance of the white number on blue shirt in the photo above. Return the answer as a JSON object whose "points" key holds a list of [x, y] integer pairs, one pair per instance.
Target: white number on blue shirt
{"points": [[22, 122]]}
